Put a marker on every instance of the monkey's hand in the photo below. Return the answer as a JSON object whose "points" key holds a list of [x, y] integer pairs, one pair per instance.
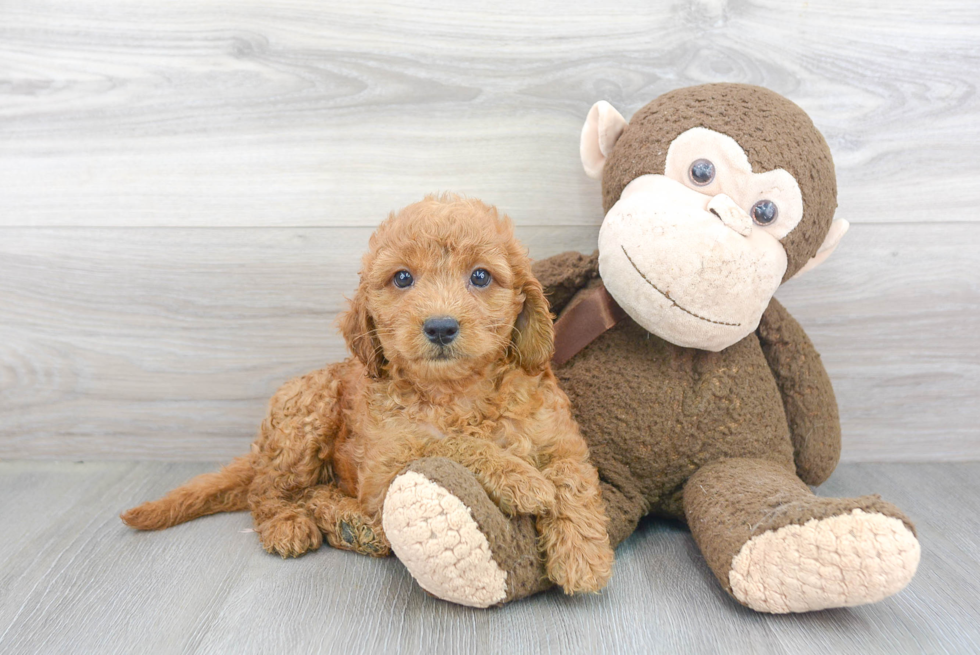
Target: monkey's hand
{"points": [[808, 397]]}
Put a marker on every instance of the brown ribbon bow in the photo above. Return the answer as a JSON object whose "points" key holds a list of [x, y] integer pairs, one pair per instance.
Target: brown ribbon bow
{"points": [[584, 322]]}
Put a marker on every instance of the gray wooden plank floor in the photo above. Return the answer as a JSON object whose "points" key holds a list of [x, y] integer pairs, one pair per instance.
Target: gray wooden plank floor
{"points": [[75, 580]]}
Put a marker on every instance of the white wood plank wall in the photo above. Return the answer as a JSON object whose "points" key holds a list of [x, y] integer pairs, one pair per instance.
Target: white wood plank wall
{"points": [[186, 188]]}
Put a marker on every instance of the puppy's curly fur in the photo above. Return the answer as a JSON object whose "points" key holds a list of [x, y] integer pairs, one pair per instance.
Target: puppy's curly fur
{"points": [[334, 439]]}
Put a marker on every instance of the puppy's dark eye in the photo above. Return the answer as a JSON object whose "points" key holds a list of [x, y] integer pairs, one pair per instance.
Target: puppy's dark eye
{"points": [[764, 212], [403, 279], [480, 277], [702, 172]]}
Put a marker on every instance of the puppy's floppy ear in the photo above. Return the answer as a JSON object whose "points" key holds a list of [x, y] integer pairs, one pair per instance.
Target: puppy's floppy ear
{"points": [[360, 333], [533, 341]]}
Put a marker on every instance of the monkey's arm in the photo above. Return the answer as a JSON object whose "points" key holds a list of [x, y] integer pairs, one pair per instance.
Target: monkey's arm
{"points": [[563, 275], [808, 396]]}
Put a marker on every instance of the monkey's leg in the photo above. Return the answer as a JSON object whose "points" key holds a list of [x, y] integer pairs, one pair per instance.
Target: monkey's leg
{"points": [[461, 547], [455, 541], [515, 485], [344, 523], [776, 547]]}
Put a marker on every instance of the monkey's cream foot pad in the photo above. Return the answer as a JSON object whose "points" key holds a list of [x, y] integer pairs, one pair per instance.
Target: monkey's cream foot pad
{"points": [[840, 561], [435, 536]]}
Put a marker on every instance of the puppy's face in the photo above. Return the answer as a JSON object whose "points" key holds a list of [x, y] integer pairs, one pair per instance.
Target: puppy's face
{"points": [[444, 292], [441, 311]]}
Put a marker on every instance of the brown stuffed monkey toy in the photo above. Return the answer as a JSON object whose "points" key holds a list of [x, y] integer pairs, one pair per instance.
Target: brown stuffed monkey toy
{"points": [[701, 398]]}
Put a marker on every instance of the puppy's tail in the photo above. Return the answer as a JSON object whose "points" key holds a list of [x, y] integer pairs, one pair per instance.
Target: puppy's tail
{"points": [[210, 493]]}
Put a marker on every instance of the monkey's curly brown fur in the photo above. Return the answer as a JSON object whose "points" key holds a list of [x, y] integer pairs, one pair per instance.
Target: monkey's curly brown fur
{"points": [[335, 438]]}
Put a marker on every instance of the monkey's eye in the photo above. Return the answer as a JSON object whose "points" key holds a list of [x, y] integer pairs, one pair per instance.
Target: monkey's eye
{"points": [[764, 212], [702, 172], [480, 277], [403, 279]]}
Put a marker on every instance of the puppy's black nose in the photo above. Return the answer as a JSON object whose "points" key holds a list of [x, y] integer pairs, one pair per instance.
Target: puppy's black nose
{"points": [[441, 330]]}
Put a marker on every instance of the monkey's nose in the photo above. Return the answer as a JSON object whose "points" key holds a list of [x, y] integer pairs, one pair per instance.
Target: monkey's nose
{"points": [[441, 330], [731, 214]]}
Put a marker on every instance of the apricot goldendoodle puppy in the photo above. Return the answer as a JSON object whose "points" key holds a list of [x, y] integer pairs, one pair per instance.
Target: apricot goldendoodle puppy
{"points": [[452, 340]]}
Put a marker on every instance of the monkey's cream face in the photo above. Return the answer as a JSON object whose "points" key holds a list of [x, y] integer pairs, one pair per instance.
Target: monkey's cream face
{"points": [[693, 255]]}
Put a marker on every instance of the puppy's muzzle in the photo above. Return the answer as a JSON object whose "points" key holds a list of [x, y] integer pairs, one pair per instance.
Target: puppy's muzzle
{"points": [[441, 330]]}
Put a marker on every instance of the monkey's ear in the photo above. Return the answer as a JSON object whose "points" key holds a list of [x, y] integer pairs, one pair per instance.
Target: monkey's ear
{"points": [[602, 129], [837, 230]]}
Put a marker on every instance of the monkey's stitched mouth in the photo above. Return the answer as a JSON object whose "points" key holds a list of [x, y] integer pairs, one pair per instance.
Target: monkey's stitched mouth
{"points": [[667, 296]]}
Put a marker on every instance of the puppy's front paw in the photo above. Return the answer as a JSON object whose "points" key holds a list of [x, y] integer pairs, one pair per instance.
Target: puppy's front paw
{"points": [[535, 495], [290, 534], [526, 491], [577, 563]]}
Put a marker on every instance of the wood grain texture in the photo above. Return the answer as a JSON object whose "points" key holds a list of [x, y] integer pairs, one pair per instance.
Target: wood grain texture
{"points": [[186, 189], [75, 579], [119, 112], [167, 343]]}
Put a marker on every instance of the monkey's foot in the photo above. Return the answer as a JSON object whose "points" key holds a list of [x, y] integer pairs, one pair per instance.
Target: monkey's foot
{"points": [[455, 542], [851, 559]]}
